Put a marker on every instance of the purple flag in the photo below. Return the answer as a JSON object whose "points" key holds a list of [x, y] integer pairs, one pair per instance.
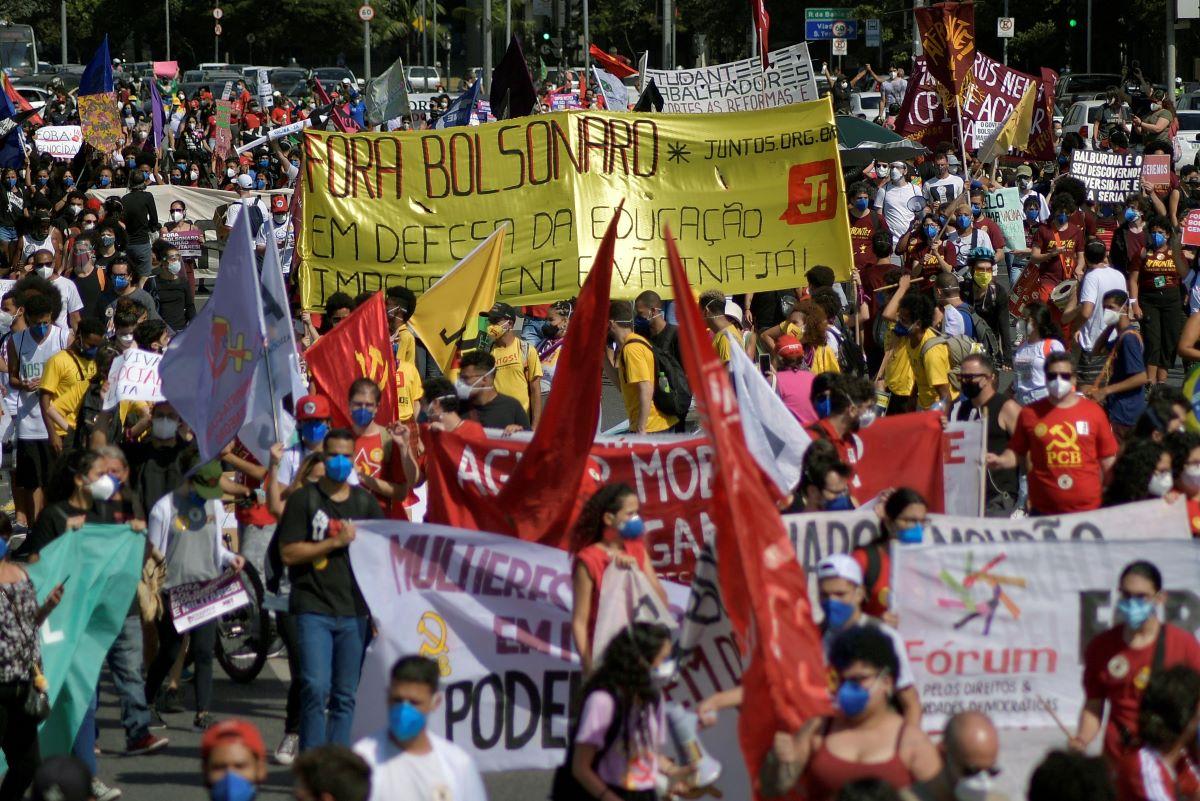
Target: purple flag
{"points": [[157, 113], [209, 370]]}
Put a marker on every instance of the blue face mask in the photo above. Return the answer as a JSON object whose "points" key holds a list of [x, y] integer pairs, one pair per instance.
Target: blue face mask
{"points": [[105, 180], [901, 330], [313, 431], [976, 209], [3, 548], [823, 406], [232, 787], [69, 181], [42, 180], [263, 163], [837, 613], [338, 467], [405, 721], [1157, 240], [120, 281], [362, 417], [1130, 214], [1135, 611], [841, 503], [89, 353], [641, 326], [964, 221], [852, 698], [1032, 215], [861, 203], [632, 529], [12, 183], [911, 535], [39, 331], [1061, 218], [930, 231]]}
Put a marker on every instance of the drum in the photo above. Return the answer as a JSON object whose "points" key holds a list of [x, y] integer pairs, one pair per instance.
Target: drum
{"points": [[1060, 296]]}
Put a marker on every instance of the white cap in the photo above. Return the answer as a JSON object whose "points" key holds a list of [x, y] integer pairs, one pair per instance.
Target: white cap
{"points": [[346, 81], [839, 565], [244, 181], [733, 311]]}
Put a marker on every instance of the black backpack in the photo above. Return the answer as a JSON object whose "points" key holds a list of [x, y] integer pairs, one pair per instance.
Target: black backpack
{"points": [[985, 336], [849, 355], [672, 393], [564, 786]]}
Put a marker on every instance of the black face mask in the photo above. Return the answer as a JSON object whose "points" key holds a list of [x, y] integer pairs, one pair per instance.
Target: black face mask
{"points": [[550, 331], [971, 389]]}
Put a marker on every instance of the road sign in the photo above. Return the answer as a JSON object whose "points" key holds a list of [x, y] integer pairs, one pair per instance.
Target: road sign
{"points": [[366, 13], [873, 33], [1005, 27], [250, 38], [830, 23], [217, 29], [218, 13], [839, 47]]}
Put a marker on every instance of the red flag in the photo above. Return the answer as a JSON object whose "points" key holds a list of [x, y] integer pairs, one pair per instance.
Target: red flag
{"points": [[762, 583], [18, 101], [762, 24], [358, 347], [948, 39], [920, 438], [339, 121], [613, 64]]}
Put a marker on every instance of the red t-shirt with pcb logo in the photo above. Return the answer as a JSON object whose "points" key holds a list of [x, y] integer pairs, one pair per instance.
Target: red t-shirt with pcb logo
{"points": [[1065, 446], [375, 456], [1116, 673]]}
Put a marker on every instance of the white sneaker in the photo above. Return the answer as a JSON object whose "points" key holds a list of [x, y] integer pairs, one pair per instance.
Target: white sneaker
{"points": [[102, 792], [285, 754]]}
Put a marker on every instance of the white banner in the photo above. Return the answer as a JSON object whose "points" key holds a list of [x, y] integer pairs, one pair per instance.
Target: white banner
{"points": [[59, 141], [738, 85], [202, 601], [276, 133], [134, 377], [963, 470], [495, 612], [615, 96], [996, 626], [815, 535]]}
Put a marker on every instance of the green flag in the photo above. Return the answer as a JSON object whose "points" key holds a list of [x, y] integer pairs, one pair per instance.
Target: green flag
{"points": [[387, 95], [102, 566]]}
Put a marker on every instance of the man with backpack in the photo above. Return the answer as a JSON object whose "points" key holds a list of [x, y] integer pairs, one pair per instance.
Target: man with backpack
{"points": [[928, 353], [636, 367], [989, 303], [1122, 381], [518, 368]]}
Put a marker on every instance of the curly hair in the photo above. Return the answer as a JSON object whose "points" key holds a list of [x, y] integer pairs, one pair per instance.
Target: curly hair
{"points": [[624, 673], [1132, 471], [815, 322], [1180, 444], [589, 527], [1168, 706]]}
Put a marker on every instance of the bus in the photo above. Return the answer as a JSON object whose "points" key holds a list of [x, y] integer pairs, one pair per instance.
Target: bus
{"points": [[18, 49]]}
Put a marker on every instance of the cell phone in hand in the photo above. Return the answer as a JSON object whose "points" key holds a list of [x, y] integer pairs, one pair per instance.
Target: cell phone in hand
{"points": [[764, 363]]}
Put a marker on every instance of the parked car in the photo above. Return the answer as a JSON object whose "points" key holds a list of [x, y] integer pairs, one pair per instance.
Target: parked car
{"points": [[423, 79], [1189, 102], [328, 76], [36, 95], [1081, 116], [285, 76], [866, 105], [1187, 141], [1084, 86]]}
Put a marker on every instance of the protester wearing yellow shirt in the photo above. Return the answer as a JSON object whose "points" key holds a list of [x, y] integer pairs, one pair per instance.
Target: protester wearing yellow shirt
{"points": [[723, 318], [65, 380], [808, 324], [930, 365], [632, 369], [408, 391], [518, 368], [401, 303]]}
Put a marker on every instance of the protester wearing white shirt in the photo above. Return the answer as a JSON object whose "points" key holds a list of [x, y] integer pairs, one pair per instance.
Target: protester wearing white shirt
{"points": [[1025, 187], [1099, 278], [893, 198], [406, 759], [946, 186]]}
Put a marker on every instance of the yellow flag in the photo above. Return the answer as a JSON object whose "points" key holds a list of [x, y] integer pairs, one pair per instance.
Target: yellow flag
{"points": [[1014, 133], [447, 316]]}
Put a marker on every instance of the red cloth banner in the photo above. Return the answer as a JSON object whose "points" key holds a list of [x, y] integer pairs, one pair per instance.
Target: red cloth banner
{"points": [[919, 438], [358, 347], [948, 41], [610, 63], [990, 94]]}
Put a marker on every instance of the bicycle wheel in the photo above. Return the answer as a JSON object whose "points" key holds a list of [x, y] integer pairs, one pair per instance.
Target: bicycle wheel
{"points": [[243, 635]]}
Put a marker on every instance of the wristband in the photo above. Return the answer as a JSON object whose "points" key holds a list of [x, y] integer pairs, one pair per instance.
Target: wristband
{"points": [[1133, 301]]}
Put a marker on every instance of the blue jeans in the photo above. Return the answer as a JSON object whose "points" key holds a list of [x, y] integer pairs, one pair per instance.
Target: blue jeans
{"points": [[331, 657], [125, 665], [85, 740]]}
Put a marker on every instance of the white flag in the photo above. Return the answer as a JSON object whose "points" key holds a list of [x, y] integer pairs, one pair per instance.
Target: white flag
{"points": [[773, 434], [615, 96]]}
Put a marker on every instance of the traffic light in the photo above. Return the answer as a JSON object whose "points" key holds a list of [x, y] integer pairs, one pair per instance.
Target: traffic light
{"points": [[1073, 22], [545, 36]]}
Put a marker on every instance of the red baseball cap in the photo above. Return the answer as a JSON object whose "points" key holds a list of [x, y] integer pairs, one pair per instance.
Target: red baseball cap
{"points": [[279, 204], [232, 731], [313, 407], [788, 345]]}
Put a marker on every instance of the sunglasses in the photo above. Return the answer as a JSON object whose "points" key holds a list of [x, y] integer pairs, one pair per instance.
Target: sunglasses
{"points": [[1067, 376]]}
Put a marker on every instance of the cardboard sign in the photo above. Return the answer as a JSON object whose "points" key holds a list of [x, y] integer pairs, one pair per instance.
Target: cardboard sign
{"points": [[738, 85], [58, 141], [224, 131], [134, 377], [166, 69], [1109, 177], [187, 242], [201, 601], [1004, 206], [1191, 228], [1156, 169]]}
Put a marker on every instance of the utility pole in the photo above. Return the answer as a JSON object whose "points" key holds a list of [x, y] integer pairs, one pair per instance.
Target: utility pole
{"points": [[1004, 41], [1089, 31], [585, 79], [64, 31], [366, 49], [424, 36], [487, 45], [167, 15], [507, 22], [1170, 65], [667, 36]]}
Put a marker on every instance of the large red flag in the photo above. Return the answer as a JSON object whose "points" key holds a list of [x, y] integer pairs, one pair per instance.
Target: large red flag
{"points": [[612, 64], [358, 347], [948, 40], [762, 583], [18, 100], [762, 24]]}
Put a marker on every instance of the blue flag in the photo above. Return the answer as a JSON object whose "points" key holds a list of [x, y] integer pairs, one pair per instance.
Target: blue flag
{"points": [[461, 109], [158, 114], [97, 75], [12, 151], [209, 371]]}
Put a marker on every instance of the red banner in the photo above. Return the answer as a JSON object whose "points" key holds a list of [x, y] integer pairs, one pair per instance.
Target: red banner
{"points": [[901, 451], [948, 41], [762, 25], [990, 94], [619, 67], [357, 347]]}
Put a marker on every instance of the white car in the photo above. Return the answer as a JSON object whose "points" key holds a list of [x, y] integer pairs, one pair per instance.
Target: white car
{"points": [[1187, 141], [866, 105], [423, 79], [1081, 117]]}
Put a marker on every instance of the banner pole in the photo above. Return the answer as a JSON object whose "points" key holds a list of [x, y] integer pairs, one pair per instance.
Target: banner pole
{"points": [[983, 451], [962, 141]]}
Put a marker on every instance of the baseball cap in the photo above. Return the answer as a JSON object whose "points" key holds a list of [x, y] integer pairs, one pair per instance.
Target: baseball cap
{"points": [[62, 778], [788, 345], [502, 311], [733, 312], [313, 407], [232, 731], [279, 204], [839, 565], [1025, 170], [244, 181]]}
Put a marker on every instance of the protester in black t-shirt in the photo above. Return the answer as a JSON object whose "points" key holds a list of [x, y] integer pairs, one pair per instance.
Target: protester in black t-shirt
{"points": [[156, 463], [81, 481], [331, 615], [176, 304], [489, 408]]}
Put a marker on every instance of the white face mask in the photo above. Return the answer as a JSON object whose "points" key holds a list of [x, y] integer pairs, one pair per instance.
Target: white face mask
{"points": [[103, 488], [896, 173], [664, 672], [1190, 478], [1059, 388], [174, 265], [177, 216], [1160, 484], [6, 321], [1111, 316], [974, 787], [163, 427], [465, 390], [46, 272], [1030, 329], [194, 175], [230, 172], [87, 226], [125, 341]]}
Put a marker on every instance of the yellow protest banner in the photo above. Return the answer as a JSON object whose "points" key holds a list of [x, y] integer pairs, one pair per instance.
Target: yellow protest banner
{"points": [[754, 199]]}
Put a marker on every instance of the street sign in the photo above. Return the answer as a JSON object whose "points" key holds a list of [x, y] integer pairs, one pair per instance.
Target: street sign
{"points": [[217, 29], [250, 38], [839, 47], [1005, 27], [873, 33], [218, 13], [366, 13], [830, 23]]}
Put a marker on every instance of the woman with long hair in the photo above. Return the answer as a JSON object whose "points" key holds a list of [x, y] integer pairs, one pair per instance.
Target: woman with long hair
{"points": [[622, 725], [554, 336], [808, 324], [1042, 337], [1142, 471], [609, 530]]}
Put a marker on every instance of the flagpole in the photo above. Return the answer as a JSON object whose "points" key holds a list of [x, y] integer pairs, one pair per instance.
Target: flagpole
{"points": [[962, 140]]}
